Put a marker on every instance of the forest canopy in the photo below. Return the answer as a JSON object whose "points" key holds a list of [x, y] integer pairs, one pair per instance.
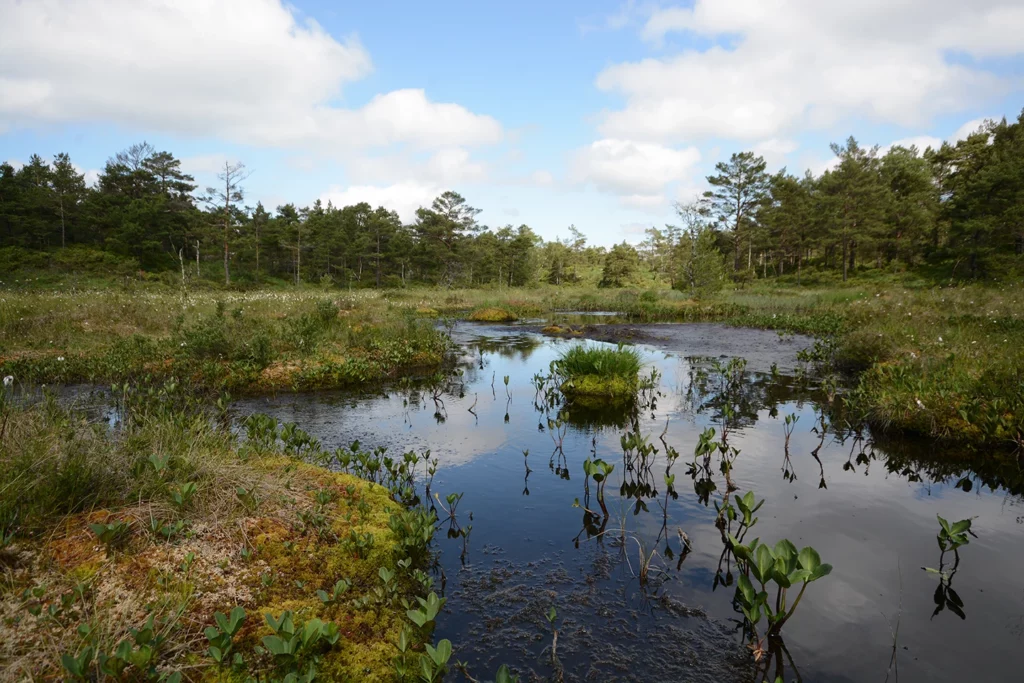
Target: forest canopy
{"points": [[959, 207]]}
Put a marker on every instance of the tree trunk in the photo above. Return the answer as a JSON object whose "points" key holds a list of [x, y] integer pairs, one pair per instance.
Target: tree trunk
{"points": [[62, 221], [378, 261], [844, 257]]}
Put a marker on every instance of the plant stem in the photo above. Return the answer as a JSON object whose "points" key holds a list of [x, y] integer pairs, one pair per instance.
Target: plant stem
{"points": [[796, 602]]}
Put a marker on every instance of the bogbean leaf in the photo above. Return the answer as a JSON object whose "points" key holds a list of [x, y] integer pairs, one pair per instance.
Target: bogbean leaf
{"points": [[809, 559], [746, 589], [960, 527], [765, 561], [821, 571]]}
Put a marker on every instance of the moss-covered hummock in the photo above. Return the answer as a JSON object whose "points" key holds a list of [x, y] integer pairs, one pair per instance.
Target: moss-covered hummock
{"points": [[596, 387], [492, 315], [262, 531]]}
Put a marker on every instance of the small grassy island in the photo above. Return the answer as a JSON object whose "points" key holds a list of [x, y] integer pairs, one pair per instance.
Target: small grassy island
{"points": [[599, 372]]}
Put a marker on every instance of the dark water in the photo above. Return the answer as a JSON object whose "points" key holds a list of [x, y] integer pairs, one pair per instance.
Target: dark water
{"points": [[868, 508]]}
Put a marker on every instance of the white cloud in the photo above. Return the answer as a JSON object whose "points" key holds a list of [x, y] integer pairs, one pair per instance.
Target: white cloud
{"points": [[637, 169], [453, 165], [965, 130], [404, 197], [646, 202], [250, 71], [542, 178], [775, 67], [15, 164], [203, 164], [775, 151], [634, 229]]}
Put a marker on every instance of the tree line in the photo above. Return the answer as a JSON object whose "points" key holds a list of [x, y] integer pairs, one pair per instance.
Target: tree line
{"points": [[961, 205]]}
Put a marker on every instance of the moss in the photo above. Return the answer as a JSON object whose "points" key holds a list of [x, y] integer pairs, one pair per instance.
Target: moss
{"points": [[493, 315], [597, 386], [148, 575], [365, 651]]}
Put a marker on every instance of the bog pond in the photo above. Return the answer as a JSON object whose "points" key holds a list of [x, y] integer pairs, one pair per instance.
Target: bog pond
{"points": [[645, 591]]}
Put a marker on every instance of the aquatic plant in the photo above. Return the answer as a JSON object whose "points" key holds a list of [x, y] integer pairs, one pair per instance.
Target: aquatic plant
{"points": [[782, 565], [599, 470], [951, 538]]}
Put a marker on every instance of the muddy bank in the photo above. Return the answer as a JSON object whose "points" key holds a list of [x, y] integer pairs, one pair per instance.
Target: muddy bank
{"points": [[761, 348]]}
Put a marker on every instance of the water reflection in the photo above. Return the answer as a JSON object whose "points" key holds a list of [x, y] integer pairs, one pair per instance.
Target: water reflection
{"points": [[627, 555]]}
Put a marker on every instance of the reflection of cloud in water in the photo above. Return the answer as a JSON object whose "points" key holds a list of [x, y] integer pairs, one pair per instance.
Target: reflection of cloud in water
{"points": [[871, 524]]}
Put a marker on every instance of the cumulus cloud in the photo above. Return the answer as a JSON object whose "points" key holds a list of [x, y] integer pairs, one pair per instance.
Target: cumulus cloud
{"points": [[965, 130], [404, 197], [774, 151], [251, 71], [774, 67], [630, 168], [542, 178]]}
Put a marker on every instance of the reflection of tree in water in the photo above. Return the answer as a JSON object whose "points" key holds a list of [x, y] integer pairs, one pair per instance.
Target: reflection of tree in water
{"points": [[513, 347], [733, 398]]}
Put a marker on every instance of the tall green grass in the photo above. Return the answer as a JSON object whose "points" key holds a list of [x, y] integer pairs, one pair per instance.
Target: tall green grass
{"points": [[599, 361]]}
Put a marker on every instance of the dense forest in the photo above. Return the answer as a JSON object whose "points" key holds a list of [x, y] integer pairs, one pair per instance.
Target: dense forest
{"points": [[960, 205]]}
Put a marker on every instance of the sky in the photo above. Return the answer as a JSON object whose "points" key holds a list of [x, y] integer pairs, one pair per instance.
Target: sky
{"points": [[592, 113]]}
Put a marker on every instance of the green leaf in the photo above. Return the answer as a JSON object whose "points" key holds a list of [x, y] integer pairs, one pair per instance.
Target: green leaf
{"points": [[822, 571], [765, 561], [809, 559], [799, 576], [960, 527], [746, 589], [780, 577], [944, 524], [785, 550], [216, 653]]}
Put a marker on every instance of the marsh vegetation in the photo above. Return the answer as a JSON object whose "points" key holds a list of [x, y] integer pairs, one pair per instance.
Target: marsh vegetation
{"points": [[231, 461]]}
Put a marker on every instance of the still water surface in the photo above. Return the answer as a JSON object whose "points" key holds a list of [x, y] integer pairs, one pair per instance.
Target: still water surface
{"points": [[868, 508]]}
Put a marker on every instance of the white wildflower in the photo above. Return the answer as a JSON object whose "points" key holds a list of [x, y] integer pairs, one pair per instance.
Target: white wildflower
{"points": [[60, 359], [8, 380]]}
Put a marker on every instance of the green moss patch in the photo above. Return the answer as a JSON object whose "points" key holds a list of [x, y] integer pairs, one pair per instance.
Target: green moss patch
{"points": [[493, 315]]}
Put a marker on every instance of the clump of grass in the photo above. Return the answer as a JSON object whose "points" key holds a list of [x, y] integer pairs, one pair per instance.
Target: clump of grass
{"points": [[493, 315], [599, 371]]}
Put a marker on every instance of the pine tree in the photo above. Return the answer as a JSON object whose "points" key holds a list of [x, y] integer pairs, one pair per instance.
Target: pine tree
{"points": [[741, 186]]}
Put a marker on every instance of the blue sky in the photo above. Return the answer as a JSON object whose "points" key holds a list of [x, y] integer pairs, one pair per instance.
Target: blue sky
{"points": [[599, 114]]}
